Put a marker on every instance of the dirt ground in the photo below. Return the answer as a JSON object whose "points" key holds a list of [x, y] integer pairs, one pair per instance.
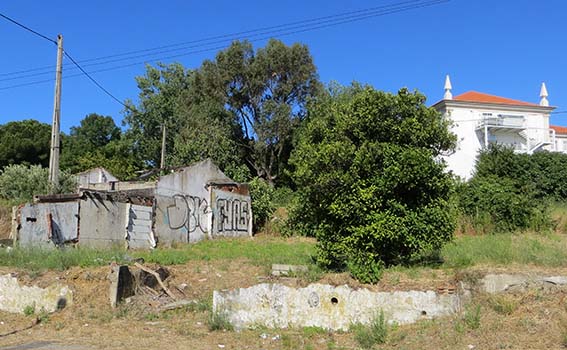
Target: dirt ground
{"points": [[533, 320]]}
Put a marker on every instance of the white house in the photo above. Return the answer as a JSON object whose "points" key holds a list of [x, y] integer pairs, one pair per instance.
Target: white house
{"points": [[480, 119]]}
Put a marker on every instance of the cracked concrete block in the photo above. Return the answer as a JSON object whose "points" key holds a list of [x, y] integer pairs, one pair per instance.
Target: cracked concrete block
{"points": [[503, 282], [325, 306], [15, 298], [122, 284]]}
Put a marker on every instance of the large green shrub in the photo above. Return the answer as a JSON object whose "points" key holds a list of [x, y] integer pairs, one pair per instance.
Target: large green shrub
{"points": [[545, 173], [501, 204], [19, 183], [371, 186]]}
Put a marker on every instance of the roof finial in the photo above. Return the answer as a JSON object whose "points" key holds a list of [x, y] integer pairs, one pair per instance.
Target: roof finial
{"points": [[543, 94], [448, 95]]}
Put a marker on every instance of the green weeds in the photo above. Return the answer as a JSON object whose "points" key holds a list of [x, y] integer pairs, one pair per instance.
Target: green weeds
{"points": [[369, 335]]}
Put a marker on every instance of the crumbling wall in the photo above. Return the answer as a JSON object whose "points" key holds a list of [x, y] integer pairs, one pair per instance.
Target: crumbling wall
{"points": [[103, 222], [182, 218], [184, 210], [48, 224], [325, 306]]}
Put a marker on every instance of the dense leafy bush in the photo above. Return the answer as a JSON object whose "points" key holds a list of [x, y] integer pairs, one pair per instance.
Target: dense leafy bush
{"points": [[19, 183], [501, 204], [262, 195], [370, 186], [544, 173]]}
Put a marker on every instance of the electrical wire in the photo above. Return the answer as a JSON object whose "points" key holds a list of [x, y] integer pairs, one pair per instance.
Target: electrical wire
{"points": [[398, 7], [225, 36], [309, 28], [94, 81], [68, 56], [28, 28]]}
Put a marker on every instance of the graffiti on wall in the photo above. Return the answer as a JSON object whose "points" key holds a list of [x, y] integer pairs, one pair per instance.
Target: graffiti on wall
{"points": [[234, 215], [189, 212]]}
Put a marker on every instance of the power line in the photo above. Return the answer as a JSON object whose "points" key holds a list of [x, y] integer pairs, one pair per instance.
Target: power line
{"points": [[314, 26], [68, 56], [93, 80], [318, 23], [28, 28]]}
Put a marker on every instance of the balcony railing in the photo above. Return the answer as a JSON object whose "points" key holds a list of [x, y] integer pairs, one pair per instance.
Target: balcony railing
{"points": [[501, 120]]}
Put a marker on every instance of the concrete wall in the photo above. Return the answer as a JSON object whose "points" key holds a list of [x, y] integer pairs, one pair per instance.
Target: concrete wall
{"points": [[103, 222], [182, 218], [325, 306], [190, 207], [95, 176], [232, 214], [48, 224]]}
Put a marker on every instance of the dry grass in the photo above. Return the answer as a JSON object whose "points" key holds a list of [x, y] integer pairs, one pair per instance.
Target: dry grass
{"points": [[5, 222], [533, 320]]}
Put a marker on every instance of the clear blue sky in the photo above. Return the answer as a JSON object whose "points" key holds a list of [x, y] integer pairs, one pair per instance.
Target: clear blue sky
{"points": [[501, 47]]}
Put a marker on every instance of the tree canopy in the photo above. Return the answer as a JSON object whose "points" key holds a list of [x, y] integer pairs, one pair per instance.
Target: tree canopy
{"points": [[98, 142], [243, 107], [372, 188], [24, 142]]}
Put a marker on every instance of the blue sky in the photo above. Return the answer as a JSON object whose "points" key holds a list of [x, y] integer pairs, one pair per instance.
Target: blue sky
{"points": [[501, 47]]}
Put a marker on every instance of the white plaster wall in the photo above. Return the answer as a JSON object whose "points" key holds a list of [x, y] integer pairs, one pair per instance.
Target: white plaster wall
{"points": [[325, 306], [462, 161], [470, 141]]}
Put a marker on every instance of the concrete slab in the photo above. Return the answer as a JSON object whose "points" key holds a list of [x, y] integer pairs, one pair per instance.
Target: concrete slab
{"points": [[325, 306], [15, 298]]}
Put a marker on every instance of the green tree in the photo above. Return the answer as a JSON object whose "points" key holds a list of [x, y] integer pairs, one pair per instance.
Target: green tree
{"points": [[98, 142], [208, 130], [267, 92], [19, 183], [161, 89], [24, 142], [372, 188], [96, 131]]}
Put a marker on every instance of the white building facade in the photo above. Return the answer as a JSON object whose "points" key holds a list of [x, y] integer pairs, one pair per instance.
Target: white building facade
{"points": [[480, 120]]}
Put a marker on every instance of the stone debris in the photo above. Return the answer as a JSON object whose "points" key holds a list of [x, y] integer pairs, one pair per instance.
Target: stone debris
{"points": [[19, 299], [285, 270], [328, 307]]}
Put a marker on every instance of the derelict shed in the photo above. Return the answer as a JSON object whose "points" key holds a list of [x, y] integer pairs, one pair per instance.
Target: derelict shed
{"points": [[188, 205]]}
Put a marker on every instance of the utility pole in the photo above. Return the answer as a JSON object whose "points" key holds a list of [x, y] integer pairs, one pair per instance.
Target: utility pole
{"points": [[162, 163], [54, 153]]}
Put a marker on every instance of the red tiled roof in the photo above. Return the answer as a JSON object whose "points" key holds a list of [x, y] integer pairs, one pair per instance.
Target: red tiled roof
{"points": [[473, 96], [559, 129]]}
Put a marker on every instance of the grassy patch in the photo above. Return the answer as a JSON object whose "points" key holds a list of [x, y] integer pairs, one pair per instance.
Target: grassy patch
{"points": [[36, 259], [258, 251], [542, 250], [503, 304], [372, 334], [219, 322]]}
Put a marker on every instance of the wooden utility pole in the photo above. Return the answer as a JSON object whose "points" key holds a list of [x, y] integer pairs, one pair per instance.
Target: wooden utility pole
{"points": [[162, 163], [54, 153]]}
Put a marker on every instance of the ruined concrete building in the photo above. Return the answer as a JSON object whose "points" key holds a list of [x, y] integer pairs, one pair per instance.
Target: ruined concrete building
{"points": [[188, 205]]}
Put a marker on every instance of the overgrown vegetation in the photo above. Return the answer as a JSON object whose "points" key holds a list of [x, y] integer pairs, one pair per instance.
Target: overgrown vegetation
{"points": [[369, 186], [19, 183], [511, 191], [530, 249], [374, 333]]}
